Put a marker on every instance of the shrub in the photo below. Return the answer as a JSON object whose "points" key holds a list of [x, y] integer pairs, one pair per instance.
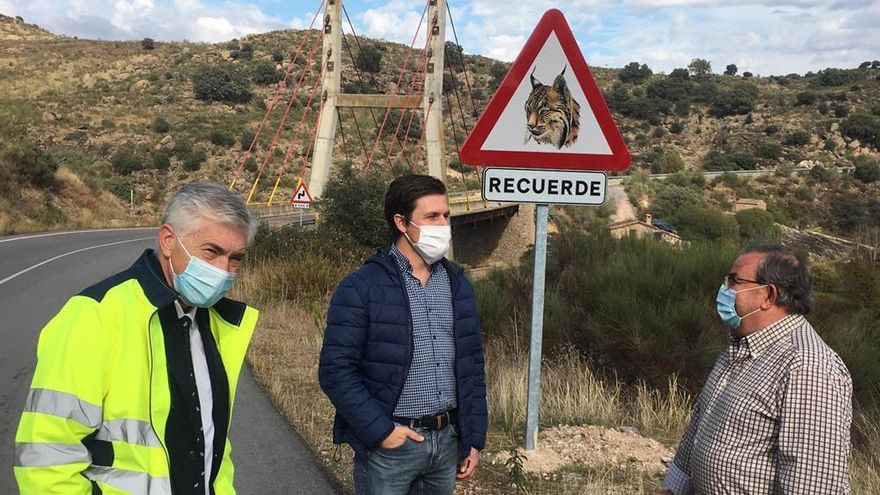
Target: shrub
{"points": [[747, 75], [757, 225], [148, 44], [369, 59], [806, 98], [862, 126], [730, 70], [848, 213], [222, 137], [220, 83], [672, 199], [667, 163], [837, 77], [702, 222], [352, 194], [277, 57], [867, 169], [160, 125], [161, 160], [771, 129], [767, 150], [676, 128], [634, 73], [797, 138], [31, 164], [194, 160], [718, 161], [453, 56], [125, 161], [247, 137], [841, 111], [265, 73], [736, 101]]}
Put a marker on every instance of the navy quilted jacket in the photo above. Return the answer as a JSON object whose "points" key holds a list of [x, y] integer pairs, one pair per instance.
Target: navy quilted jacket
{"points": [[368, 349]]}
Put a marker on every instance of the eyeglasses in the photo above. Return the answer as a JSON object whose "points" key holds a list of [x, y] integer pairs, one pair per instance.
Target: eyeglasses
{"points": [[731, 280]]}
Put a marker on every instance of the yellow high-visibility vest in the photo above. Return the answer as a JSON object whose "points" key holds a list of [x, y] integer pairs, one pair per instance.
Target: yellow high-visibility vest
{"points": [[102, 372]]}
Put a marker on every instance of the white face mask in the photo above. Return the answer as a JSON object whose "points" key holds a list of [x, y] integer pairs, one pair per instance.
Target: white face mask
{"points": [[433, 242]]}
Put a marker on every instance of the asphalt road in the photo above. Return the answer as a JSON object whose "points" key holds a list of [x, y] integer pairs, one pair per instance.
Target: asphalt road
{"points": [[38, 273]]}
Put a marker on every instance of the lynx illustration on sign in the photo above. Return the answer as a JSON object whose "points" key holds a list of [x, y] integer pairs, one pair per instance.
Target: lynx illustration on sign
{"points": [[553, 116]]}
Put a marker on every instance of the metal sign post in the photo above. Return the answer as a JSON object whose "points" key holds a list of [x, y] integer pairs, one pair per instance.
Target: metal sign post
{"points": [[534, 398]]}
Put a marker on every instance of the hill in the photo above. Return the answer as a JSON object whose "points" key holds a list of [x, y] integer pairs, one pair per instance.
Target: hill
{"points": [[95, 124]]}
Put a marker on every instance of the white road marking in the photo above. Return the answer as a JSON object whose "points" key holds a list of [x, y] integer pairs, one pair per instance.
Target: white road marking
{"points": [[49, 234], [7, 279]]}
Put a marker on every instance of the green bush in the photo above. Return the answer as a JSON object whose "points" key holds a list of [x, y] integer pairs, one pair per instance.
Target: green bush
{"points": [[222, 137], [119, 187], [277, 57], [767, 150], [806, 98], [797, 138], [848, 213], [31, 164], [672, 199], [704, 223], [125, 161], [867, 169], [220, 83], [160, 125], [739, 100], [264, 73], [247, 137], [148, 44], [718, 161], [352, 194], [757, 225], [837, 77], [862, 126], [369, 59], [676, 128], [161, 160], [194, 160], [667, 163]]}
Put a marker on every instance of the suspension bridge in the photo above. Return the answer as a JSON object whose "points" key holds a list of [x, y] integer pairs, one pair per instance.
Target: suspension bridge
{"points": [[398, 128]]}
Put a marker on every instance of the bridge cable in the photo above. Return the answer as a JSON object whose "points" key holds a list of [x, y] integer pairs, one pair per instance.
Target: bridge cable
{"points": [[278, 89], [306, 69], [400, 79], [360, 78], [421, 70]]}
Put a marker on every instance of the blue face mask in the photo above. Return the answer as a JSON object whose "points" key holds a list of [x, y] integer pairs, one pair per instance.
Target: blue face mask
{"points": [[725, 303], [201, 284]]}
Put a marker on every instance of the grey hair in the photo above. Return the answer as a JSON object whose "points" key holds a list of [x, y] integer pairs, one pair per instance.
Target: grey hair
{"points": [[208, 200], [787, 271]]}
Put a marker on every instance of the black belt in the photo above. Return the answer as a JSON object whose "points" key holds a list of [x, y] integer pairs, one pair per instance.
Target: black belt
{"points": [[431, 422]]}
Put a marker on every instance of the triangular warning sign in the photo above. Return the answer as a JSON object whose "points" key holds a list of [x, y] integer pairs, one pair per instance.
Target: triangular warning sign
{"points": [[548, 111], [301, 196]]}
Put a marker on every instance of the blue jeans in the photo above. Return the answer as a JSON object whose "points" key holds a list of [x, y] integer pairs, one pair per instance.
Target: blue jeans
{"points": [[415, 468]]}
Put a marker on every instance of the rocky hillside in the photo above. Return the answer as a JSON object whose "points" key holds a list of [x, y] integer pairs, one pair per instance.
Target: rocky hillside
{"points": [[95, 124]]}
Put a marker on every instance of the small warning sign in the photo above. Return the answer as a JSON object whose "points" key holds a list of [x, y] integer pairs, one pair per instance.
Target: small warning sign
{"points": [[301, 197]]}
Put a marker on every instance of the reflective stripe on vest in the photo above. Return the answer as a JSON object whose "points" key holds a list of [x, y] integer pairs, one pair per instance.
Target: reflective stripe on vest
{"points": [[129, 431], [50, 454], [64, 405], [134, 482]]}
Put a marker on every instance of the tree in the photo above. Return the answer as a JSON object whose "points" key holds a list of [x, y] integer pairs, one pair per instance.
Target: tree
{"points": [[739, 100], [848, 213], [730, 70], [148, 44], [679, 73], [875, 64], [747, 74], [864, 65], [700, 67], [220, 83], [673, 199], [453, 55], [634, 73], [701, 222], [125, 161], [352, 194]]}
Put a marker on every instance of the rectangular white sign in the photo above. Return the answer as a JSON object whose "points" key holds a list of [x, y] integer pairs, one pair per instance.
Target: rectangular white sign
{"points": [[518, 185]]}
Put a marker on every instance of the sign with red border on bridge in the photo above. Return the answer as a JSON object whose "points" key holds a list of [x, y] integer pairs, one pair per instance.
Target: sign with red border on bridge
{"points": [[302, 198], [548, 112]]}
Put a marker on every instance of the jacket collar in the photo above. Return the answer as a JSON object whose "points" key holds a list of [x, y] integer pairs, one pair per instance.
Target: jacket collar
{"points": [[386, 259], [149, 274]]}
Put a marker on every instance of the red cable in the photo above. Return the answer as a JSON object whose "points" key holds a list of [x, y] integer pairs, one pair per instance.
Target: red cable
{"points": [[296, 130], [278, 89], [412, 84], [287, 110], [397, 86]]}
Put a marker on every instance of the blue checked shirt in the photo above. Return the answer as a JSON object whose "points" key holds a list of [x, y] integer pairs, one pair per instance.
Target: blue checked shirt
{"points": [[430, 384]]}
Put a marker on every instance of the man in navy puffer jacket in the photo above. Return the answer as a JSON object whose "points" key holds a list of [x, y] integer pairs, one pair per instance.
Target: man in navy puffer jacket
{"points": [[402, 359]]}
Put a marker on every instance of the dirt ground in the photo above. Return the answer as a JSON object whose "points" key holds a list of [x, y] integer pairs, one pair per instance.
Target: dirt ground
{"points": [[591, 447]]}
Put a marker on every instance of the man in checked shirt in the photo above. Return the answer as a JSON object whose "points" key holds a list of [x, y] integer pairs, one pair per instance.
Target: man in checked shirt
{"points": [[402, 359], [774, 415]]}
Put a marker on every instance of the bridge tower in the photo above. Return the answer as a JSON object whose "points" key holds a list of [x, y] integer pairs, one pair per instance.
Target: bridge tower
{"points": [[431, 101]]}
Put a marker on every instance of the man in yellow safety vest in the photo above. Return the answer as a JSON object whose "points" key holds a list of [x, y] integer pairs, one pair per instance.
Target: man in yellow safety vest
{"points": [[136, 375]]}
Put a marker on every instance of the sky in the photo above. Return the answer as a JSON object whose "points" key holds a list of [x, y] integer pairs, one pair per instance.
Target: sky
{"points": [[765, 37]]}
